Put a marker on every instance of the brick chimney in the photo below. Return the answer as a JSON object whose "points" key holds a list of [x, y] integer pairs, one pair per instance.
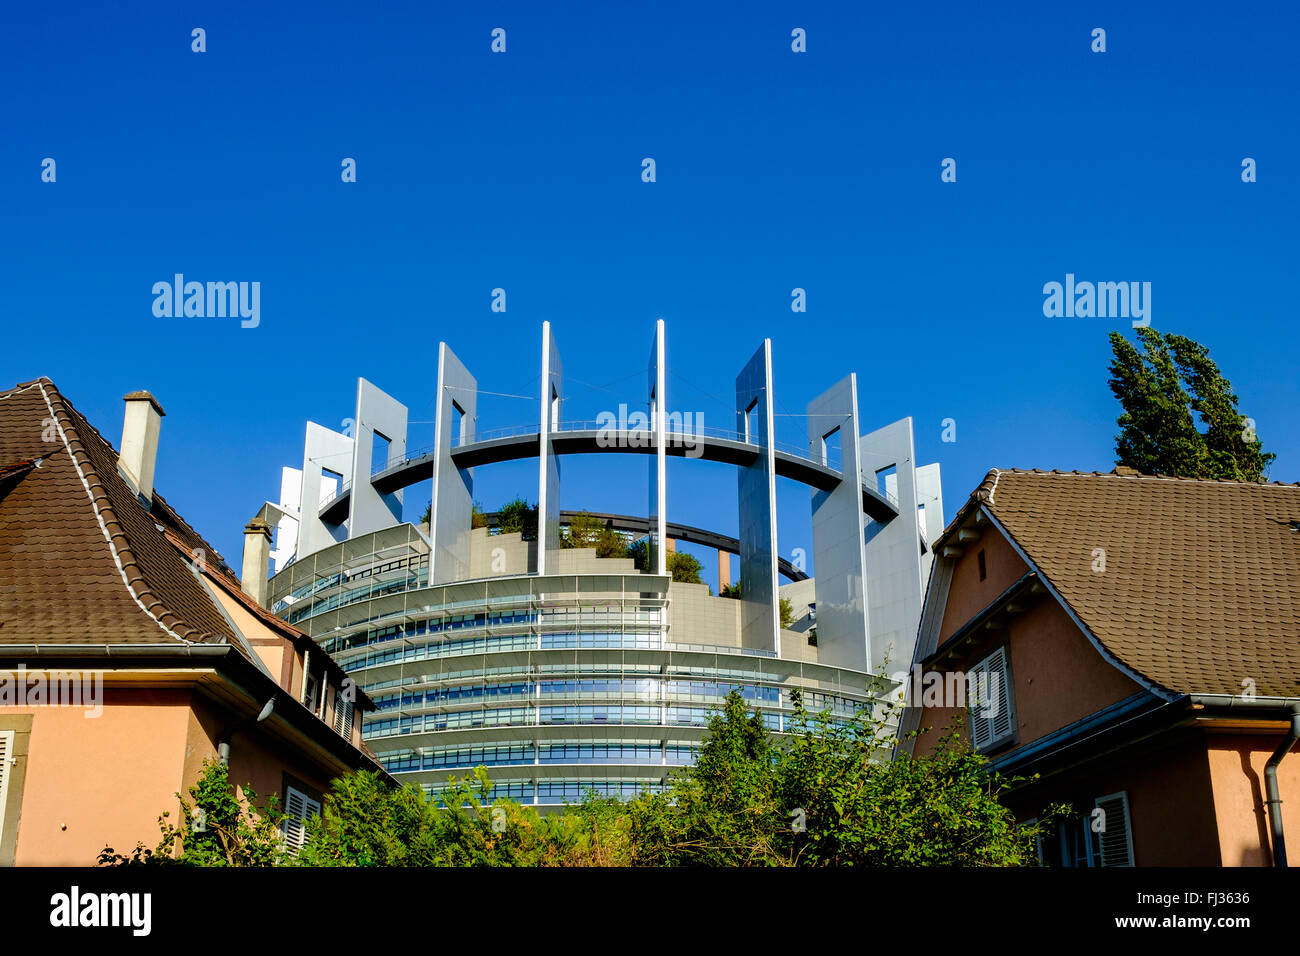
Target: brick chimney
{"points": [[139, 452], [257, 559]]}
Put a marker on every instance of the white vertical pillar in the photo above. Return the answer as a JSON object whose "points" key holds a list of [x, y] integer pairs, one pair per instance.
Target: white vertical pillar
{"points": [[548, 482], [324, 450], [453, 487], [657, 375], [895, 588], [838, 526], [377, 413], [760, 620]]}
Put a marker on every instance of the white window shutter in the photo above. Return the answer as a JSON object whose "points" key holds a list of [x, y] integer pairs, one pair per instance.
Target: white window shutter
{"points": [[979, 727], [988, 691], [298, 809], [6, 769], [343, 717], [1000, 723], [1116, 840]]}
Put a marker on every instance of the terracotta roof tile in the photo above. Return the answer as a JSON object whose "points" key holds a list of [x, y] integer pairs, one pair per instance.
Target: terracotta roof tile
{"points": [[82, 561], [1201, 587]]}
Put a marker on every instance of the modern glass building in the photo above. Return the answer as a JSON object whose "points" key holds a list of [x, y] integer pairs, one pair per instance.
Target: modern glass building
{"points": [[596, 677], [560, 671]]}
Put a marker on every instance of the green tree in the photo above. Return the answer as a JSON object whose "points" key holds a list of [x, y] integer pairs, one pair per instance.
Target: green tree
{"points": [[584, 531], [218, 827], [1163, 390], [518, 517], [684, 568], [826, 795]]}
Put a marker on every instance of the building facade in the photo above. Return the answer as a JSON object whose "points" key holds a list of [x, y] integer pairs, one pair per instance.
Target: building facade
{"points": [[129, 654], [561, 671], [1130, 645]]}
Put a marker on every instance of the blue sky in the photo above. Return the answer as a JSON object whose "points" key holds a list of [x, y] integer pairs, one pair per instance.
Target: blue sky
{"points": [[521, 170]]}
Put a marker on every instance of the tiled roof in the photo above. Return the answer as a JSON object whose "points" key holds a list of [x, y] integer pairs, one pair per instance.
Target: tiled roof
{"points": [[82, 561], [1201, 587]]}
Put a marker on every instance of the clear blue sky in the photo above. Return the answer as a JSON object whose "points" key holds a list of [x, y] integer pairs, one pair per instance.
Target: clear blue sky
{"points": [[522, 171]]}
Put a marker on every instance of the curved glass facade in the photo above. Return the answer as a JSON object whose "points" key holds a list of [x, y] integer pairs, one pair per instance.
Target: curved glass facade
{"points": [[557, 684]]}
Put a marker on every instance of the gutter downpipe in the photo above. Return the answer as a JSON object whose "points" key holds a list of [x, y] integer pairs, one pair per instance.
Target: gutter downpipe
{"points": [[1272, 798], [1270, 786]]}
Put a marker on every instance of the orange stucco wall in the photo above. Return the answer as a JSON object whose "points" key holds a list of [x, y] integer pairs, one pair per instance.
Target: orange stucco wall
{"points": [[100, 781], [103, 781], [968, 595], [1057, 675], [1237, 778], [1171, 805]]}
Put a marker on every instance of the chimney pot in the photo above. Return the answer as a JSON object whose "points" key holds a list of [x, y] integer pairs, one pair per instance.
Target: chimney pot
{"points": [[139, 454], [257, 560]]}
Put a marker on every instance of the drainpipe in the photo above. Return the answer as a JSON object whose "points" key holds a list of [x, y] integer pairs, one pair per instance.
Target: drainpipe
{"points": [[1270, 786], [1272, 798], [223, 745]]}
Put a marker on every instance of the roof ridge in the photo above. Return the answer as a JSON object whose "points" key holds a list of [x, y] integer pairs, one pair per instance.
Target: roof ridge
{"points": [[1075, 473], [66, 419]]}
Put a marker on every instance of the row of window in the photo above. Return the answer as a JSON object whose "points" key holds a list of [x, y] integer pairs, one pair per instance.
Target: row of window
{"points": [[673, 754], [562, 790], [588, 615], [508, 642], [566, 714], [645, 688]]}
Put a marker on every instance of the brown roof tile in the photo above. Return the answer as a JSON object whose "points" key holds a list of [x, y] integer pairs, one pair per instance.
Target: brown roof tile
{"points": [[81, 560], [1201, 587]]}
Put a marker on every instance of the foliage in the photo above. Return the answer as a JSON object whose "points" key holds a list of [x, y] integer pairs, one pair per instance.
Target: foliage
{"points": [[684, 568], [477, 519], [518, 517], [823, 794], [231, 831], [1163, 391], [365, 822], [584, 531]]}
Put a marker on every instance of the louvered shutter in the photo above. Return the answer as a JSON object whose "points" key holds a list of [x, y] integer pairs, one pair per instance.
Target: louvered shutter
{"points": [[1116, 840], [1001, 725], [6, 769], [980, 731], [343, 717], [298, 808], [988, 692]]}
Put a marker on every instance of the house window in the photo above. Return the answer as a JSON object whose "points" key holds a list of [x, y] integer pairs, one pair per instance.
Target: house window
{"points": [[311, 698], [1114, 830], [989, 701], [298, 808], [1102, 838], [984, 571]]}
